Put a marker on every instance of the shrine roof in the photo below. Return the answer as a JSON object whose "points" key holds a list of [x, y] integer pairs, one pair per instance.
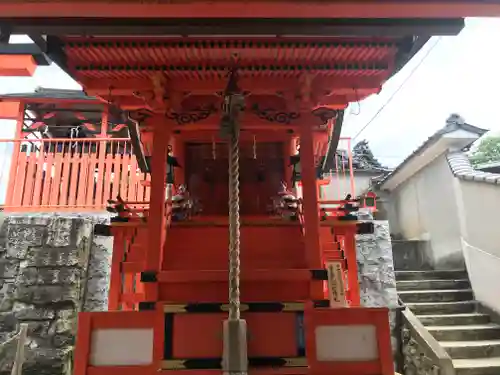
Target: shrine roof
{"points": [[351, 68], [56, 95], [60, 110]]}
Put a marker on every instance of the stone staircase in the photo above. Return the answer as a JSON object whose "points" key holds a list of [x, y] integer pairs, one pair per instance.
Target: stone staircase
{"points": [[444, 303]]}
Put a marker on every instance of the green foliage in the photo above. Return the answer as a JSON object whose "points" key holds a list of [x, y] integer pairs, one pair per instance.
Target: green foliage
{"points": [[363, 158], [488, 151]]}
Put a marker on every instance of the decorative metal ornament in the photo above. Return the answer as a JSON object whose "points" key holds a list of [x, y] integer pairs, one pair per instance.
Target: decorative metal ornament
{"points": [[192, 116], [254, 147], [325, 113], [139, 115], [214, 149], [273, 115]]}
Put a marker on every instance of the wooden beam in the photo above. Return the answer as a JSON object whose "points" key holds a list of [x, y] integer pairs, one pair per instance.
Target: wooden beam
{"points": [[9, 110], [334, 101], [250, 9], [246, 22], [137, 146], [250, 122], [17, 66], [28, 49], [255, 85]]}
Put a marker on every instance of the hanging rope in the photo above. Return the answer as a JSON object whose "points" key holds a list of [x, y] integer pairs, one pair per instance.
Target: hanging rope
{"points": [[235, 361], [234, 226]]}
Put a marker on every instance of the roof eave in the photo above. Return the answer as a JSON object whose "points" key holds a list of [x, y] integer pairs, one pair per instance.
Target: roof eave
{"points": [[435, 145]]}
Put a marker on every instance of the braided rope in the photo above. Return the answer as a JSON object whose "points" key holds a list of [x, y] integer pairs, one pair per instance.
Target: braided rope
{"points": [[234, 226]]}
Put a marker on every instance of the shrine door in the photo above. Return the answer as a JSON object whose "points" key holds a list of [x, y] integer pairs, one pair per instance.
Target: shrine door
{"points": [[207, 175]]}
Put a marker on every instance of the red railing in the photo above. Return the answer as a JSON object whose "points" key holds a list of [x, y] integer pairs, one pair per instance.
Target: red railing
{"points": [[68, 174]]}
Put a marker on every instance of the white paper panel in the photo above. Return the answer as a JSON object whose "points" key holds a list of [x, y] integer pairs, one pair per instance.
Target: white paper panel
{"points": [[346, 343], [121, 347]]}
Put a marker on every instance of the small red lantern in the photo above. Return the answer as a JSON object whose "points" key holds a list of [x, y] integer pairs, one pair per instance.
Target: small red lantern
{"points": [[370, 201]]}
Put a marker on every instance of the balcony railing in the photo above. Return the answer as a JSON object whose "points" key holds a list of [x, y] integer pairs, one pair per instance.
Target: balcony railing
{"points": [[68, 174]]}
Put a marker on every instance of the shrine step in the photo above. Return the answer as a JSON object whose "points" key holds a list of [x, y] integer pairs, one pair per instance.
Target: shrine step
{"points": [[453, 319], [444, 295], [472, 349], [465, 332], [425, 308], [404, 285], [268, 275], [478, 366], [431, 275], [256, 284]]}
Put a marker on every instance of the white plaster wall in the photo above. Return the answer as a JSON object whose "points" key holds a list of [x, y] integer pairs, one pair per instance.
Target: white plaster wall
{"points": [[426, 209], [482, 204], [481, 245], [483, 269], [340, 186]]}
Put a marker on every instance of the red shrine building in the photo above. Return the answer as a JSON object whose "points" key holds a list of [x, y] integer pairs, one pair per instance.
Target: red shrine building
{"points": [[205, 132]]}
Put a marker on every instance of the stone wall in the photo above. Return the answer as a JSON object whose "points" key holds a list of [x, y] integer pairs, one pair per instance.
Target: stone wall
{"points": [[422, 354], [377, 281], [51, 267], [416, 358]]}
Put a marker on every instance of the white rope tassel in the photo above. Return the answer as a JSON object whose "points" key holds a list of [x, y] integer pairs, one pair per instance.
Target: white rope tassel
{"points": [[234, 227]]}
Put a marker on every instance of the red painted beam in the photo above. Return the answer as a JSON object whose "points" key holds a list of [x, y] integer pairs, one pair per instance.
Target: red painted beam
{"points": [[17, 66], [252, 9], [9, 110], [256, 85]]}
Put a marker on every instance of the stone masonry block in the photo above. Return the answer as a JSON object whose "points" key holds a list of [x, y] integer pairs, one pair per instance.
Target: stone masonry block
{"points": [[46, 275], [8, 269], [24, 311], [43, 295], [20, 238], [47, 361], [59, 232], [39, 329], [29, 219], [53, 257], [7, 296], [8, 322]]}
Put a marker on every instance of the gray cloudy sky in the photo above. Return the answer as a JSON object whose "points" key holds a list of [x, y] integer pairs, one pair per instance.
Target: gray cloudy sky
{"points": [[459, 75]]}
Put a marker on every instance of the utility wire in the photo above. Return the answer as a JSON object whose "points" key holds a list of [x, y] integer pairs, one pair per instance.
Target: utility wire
{"points": [[415, 68]]}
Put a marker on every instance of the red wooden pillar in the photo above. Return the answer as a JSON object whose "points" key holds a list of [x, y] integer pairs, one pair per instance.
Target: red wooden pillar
{"points": [[115, 283], [157, 217], [352, 265], [310, 209], [11, 185]]}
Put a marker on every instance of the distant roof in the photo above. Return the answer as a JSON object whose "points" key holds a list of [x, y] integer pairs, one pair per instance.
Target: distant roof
{"points": [[493, 167], [453, 123], [44, 93], [462, 168]]}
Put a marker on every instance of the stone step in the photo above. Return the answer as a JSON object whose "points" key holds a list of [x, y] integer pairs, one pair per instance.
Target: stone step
{"points": [[478, 366], [453, 319], [472, 349], [436, 295], [431, 275], [424, 308], [432, 284], [466, 332]]}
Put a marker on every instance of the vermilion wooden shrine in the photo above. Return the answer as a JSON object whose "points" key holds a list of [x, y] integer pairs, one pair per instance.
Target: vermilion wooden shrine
{"points": [[228, 106]]}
